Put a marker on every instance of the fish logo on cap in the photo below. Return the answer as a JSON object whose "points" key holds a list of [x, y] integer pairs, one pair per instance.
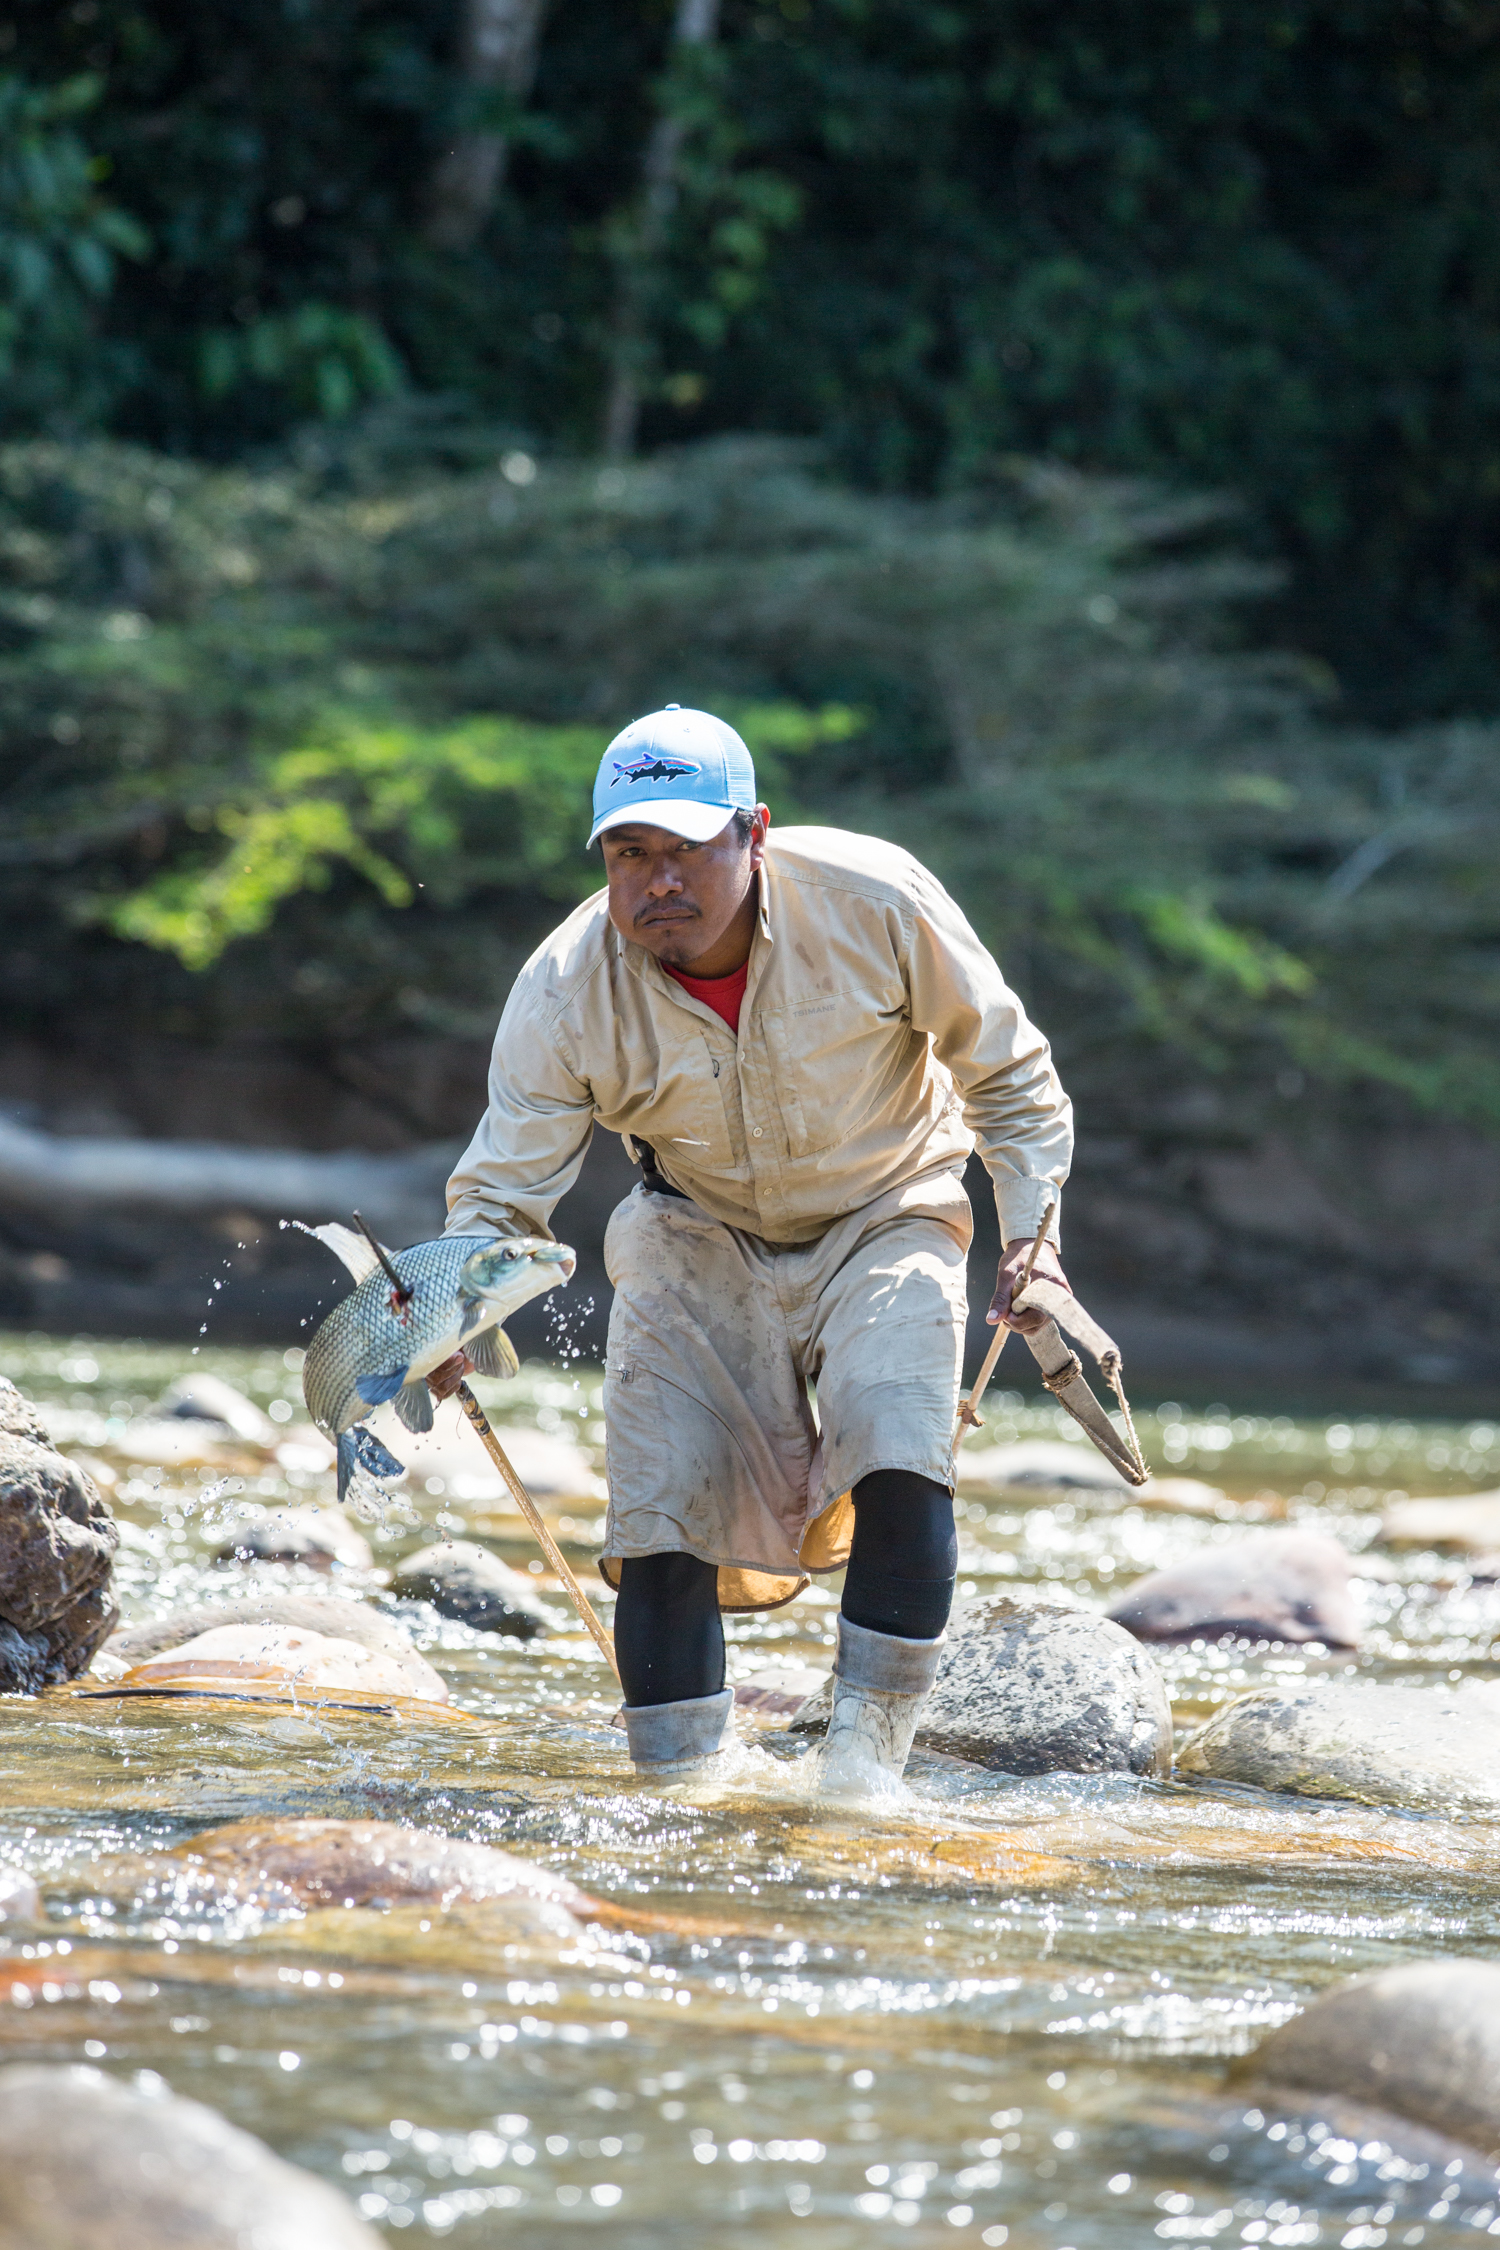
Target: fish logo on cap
{"points": [[650, 768]]}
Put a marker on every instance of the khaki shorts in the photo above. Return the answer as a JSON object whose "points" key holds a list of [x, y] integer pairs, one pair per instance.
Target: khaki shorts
{"points": [[711, 1444]]}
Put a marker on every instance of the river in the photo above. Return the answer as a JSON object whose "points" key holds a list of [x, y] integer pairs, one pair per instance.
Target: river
{"points": [[1001, 2017]]}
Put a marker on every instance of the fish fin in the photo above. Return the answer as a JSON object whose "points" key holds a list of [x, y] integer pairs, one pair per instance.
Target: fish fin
{"points": [[357, 1254], [493, 1353], [376, 1389], [347, 1456], [373, 1457], [414, 1405]]}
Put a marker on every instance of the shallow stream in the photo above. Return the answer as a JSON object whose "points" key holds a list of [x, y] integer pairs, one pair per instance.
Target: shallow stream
{"points": [[1001, 2017]]}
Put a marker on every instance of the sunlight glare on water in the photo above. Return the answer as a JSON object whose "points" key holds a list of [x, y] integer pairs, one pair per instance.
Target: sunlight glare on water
{"points": [[997, 2013]]}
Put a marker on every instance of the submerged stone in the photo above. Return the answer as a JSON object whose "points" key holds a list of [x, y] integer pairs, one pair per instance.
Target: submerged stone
{"points": [[375, 1863], [464, 1580], [87, 2163], [319, 1537], [1029, 1688], [1421, 2041], [1429, 1749], [1271, 1586]]}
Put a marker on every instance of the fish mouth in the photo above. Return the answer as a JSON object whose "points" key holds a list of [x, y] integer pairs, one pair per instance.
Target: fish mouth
{"points": [[558, 1254]]}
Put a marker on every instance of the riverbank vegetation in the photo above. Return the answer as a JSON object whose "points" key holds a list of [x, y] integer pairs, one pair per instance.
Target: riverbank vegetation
{"points": [[305, 749]]}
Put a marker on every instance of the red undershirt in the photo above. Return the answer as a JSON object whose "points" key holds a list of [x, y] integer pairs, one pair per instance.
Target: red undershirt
{"points": [[723, 994]]}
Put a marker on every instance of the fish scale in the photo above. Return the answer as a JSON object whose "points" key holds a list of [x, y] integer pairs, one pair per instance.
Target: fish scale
{"points": [[379, 1343]]}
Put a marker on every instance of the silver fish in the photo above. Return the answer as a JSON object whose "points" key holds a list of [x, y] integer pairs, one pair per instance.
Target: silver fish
{"points": [[374, 1346]]}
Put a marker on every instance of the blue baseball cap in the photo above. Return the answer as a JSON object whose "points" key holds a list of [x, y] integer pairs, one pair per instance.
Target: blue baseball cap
{"points": [[683, 770]]}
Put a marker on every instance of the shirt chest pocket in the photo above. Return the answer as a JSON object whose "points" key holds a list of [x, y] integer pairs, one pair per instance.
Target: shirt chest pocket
{"points": [[686, 1116], [833, 1062]]}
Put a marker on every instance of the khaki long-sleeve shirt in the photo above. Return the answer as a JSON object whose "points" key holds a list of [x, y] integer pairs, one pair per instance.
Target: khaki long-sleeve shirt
{"points": [[877, 1041]]}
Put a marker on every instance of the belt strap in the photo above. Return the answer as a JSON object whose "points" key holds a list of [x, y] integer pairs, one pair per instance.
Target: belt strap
{"points": [[651, 1177]]}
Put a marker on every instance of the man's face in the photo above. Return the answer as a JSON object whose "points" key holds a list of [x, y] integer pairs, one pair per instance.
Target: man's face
{"points": [[680, 899]]}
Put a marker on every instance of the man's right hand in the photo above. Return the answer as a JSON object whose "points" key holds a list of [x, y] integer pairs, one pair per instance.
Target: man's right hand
{"points": [[443, 1382]]}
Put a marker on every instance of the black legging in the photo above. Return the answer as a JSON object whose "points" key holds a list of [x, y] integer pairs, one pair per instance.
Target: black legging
{"points": [[669, 1637]]}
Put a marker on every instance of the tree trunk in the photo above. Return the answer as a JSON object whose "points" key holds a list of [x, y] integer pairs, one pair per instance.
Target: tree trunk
{"points": [[497, 51], [696, 25], [401, 1196]]}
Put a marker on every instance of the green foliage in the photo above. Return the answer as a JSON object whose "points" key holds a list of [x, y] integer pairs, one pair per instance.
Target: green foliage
{"points": [[493, 804], [323, 360], [308, 752], [1232, 245], [60, 238]]}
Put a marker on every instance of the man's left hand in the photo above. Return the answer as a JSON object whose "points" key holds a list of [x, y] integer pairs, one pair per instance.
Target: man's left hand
{"points": [[1048, 1266], [444, 1380]]}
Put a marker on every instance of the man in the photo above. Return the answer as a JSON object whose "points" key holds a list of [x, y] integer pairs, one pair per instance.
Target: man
{"points": [[801, 1040]]}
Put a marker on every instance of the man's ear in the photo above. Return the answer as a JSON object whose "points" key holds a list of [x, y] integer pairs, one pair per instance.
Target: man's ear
{"points": [[758, 829]]}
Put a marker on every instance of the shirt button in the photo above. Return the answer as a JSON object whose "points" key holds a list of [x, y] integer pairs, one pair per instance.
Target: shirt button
{"points": [[757, 1133]]}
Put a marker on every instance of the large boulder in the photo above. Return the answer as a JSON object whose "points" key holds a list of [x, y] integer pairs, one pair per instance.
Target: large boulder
{"points": [[374, 1863], [57, 1550], [318, 1537], [1429, 1749], [87, 2163], [1421, 2040], [1024, 1687], [1271, 1586], [464, 1580], [18, 1417]]}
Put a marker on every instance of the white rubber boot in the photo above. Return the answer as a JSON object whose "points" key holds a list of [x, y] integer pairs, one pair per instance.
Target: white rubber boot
{"points": [[675, 1741], [880, 1683]]}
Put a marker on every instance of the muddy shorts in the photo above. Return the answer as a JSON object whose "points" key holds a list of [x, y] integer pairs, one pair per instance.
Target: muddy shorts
{"points": [[712, 1445]]}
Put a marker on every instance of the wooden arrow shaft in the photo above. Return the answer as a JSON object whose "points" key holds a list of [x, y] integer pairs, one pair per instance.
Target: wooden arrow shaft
{"points": [[544, 1539]]}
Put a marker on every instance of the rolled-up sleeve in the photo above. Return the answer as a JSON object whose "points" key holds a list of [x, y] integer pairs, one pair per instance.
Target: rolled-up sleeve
{"points": [[534, 1135], [1001, 1065]]}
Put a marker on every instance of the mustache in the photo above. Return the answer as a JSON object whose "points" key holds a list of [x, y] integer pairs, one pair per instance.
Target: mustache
{"points": [[680, 910]]}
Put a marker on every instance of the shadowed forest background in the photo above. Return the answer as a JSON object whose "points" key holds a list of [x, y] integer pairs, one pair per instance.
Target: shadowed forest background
{"points": [[1066, 440]]}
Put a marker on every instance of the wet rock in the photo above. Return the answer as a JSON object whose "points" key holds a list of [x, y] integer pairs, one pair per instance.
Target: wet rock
{"points": [[319, 1537], [1190, 1496], [1027, 1688], [1421, 2041], [450, 1457], [1428, 1749], [1272, 1586], [464, 1580], [87, 2163], [316, 1613], [249, 1656], [777, 1689], [1044, 1462], [164, 1444], [20, 1900], [18, 1417], [208, 1398], [57, 1548], [374, 1863], [1469, 1525]]}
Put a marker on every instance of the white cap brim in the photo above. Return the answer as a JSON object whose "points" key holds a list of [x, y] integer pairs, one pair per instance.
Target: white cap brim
{"points": [[681, 815]]}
